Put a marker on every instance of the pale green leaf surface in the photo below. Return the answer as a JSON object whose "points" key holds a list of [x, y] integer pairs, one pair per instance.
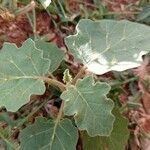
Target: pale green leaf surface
{"points": [[43, 135], [91, 108], [116, 141], [45, 3], [51, 52], [108, 45], [21, 70]]}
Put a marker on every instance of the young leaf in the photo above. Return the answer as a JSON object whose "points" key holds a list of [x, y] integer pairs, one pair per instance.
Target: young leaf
{"points": [[45, 3], [21, 72], [116, 141], [51, 52], [91, 108], [44, 135], [108, 45], [67, 76]]}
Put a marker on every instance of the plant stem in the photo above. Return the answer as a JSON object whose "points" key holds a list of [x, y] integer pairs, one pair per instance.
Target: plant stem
{"points": [[79, 75], [34, 23], [7, 141], [56, 83], [62, 9], [51, 75], [124, 82], [62, 87], [12, 5], [33, 112], [29, 19], [26, 9], [56, 122], [60, 114]]}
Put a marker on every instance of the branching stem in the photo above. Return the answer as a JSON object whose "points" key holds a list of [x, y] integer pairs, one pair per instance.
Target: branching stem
{"points": [[62, 87], [79, 75]]}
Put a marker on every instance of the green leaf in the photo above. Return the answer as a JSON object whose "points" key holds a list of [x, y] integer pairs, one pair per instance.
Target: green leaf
{"points": [[91, 108], [21, 72], [116, 141], [45, 135], [4, 117], [51, 52], [108, 45], [45, 3], [67, 76], [5, 142]]}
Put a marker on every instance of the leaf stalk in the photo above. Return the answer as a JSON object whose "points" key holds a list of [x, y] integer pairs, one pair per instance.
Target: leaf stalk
{"points": [[79, 75], [56, 83]]}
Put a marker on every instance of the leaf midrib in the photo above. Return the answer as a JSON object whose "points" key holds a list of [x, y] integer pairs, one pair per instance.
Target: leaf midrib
{"points": [[19, 77]]}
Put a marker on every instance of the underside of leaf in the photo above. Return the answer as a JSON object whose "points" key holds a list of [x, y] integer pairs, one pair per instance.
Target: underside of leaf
{"points": [[108, 45]]}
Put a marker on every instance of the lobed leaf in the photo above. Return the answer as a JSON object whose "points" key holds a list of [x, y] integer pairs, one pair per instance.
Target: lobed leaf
{"points": [[51, 52], [108, 45], [91, 108], [21, 72], [45, 135], [116, 141]]}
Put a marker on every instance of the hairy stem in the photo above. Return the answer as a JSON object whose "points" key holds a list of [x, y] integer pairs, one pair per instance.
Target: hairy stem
{"points": [[59, 116], [56, 83], [123, 82], [34, 23], [79, 75], [62, 87]]}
